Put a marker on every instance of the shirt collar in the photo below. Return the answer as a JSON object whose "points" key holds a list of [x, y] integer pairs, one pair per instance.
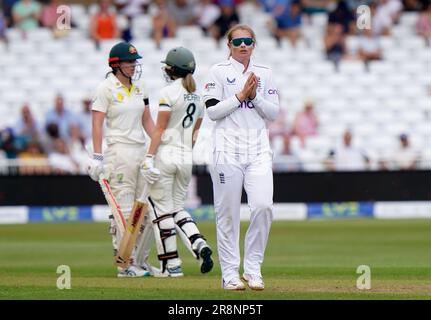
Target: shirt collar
{"points": [[239, 67], [113, 79]]}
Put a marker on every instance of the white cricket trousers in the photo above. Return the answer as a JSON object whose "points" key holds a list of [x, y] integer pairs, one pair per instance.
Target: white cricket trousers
{"points": [[121, 167], [229, 174]]}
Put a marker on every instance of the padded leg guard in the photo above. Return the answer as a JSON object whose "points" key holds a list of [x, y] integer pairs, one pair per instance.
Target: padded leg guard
{"points": [[188, 231], [166, 242]]}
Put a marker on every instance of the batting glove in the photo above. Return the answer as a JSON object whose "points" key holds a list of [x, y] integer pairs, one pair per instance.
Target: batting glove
{"points": [[95, 166], [148, 171]]}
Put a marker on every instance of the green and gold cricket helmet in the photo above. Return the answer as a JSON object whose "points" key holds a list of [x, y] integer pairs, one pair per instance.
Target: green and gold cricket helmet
{"points": [[181, 60], [122, 51]]}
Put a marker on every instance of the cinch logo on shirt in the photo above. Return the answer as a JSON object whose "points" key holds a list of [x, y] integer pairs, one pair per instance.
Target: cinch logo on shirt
{"points": [[246, 104], [209, 86], [272, 91]]}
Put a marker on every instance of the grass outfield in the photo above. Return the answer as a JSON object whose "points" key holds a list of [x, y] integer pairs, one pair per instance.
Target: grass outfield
{"points": [[304, 260]]}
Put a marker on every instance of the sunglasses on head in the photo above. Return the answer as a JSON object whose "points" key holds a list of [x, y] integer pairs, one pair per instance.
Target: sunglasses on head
{"points": [[237, 41]]}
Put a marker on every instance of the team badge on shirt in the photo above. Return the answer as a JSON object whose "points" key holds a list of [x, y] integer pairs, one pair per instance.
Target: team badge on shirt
{"points": [[229, 81], [120, 97], [138, 91]]}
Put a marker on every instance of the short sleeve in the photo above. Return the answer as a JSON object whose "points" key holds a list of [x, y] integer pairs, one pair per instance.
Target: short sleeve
{"points": [[145, 96], [213, 89], [101, 99], [201, 109], [165, 103]]}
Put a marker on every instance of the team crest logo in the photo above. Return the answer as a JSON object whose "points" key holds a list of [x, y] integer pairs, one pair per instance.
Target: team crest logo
{"points": [[191, 64], [132, 50], [230, 81], [120, 97]]}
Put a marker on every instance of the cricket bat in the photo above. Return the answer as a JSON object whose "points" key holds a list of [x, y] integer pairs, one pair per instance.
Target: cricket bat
{"points": [[113, 205], [134, 223]]}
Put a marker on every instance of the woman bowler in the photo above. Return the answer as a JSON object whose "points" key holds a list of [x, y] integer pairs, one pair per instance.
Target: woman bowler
{"points": [[240, 96]]}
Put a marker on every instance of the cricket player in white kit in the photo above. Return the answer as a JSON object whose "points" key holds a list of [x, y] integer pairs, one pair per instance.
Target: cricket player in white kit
{"points": [[123, 101], [240, 95], [179, 118]]}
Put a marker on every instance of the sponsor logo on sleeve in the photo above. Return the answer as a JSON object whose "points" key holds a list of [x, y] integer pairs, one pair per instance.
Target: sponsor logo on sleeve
{"points": [[209, 86], [272, 91]]}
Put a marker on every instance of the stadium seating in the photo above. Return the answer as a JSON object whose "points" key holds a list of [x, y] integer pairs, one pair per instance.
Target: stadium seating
{"points": [[392, 97]]}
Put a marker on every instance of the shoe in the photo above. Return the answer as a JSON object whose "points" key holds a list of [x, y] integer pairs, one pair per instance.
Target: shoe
{"points": [[255, 282], [234, 284], [132, 272], [173, 272], [151, 269], [205, 253]]}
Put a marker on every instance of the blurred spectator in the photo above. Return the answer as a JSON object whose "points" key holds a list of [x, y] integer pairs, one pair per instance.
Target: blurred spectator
{"points": [[384, 15], [84, 118], [182, 11], [393, 7], [62, 117], [276, 8], [289, 24], [414, 5], [26, 14], [335, 44], [315, 6], [369, 48], [347, 157], [344, 17], [60, 160], [104, 24], [287, 160], [77, 148], [228, 18], [33, 160], [405, 157], [3, 27], [423, 25], [50, 135], [164, 25], [8, 143], [132, 8], [279, 127], [49, 15], [27, 127], [7, 6], [207, 13], [306, 122], [354, 4]]}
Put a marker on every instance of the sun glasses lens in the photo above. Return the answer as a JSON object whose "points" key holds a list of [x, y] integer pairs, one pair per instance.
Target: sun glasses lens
{"points": [[237, 42], [248, 41]]}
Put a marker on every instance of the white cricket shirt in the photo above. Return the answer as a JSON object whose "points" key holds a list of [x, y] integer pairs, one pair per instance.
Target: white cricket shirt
{"points": [[185, 109], [243, 130], [123, 110]]}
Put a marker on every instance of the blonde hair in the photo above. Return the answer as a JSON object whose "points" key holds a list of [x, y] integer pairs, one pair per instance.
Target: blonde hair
{"points": [[189, 83], [240, 27]]}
